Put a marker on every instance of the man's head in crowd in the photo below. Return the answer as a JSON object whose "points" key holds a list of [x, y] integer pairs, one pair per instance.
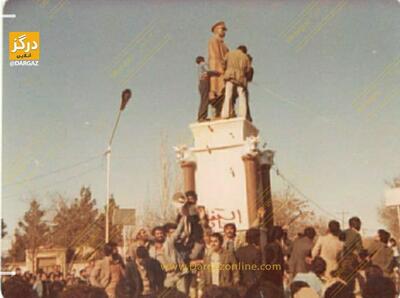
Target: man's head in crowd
{"points": [[339, 289], [355, 223], [191, 197], [190, 206], [384, 236], [334, 227], [216, 241], [363, 255], [158, 234], [142, 235], [214, 291], [108, 249], [373, 271], [199, 59], [297, 286], [309, 232], [114, 246], [379, 287], [243, 48], [275, 234], [18, 271], [169, 228], [230, 230], [27, 274], [318, 266], [253, 236]]}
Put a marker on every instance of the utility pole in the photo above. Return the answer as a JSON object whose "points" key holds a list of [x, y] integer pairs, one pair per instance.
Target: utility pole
{"points": [[126, 95], [343, 214]]}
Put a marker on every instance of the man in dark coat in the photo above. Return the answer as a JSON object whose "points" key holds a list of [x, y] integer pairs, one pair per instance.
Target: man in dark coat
{"points": [[248, 256], [353, 241], [144, 275], [381, 254], [301, 250], [271, 284], [220, 266]]}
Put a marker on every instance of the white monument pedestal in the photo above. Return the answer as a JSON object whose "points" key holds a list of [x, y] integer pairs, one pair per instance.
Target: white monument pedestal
{"points": [[223, 167]]}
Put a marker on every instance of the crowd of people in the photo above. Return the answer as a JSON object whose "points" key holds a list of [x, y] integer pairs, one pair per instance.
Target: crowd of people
{"points": [[187, 259], [44, 284]]}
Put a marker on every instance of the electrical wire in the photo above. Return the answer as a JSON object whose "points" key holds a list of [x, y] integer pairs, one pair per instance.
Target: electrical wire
{"points": [[59, 182], [53, 172], [294, 187]]}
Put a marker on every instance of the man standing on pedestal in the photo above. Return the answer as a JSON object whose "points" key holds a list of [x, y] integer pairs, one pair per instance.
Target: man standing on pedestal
{"points": [[236, 76], [204, 87], [217, 51]]}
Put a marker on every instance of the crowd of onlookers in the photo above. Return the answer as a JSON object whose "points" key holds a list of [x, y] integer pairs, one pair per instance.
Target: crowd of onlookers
{"points": [[187, 259], [45, 284]]}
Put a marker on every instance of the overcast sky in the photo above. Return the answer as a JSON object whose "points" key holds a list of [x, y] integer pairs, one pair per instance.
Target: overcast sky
{"points": [[325, 96]]}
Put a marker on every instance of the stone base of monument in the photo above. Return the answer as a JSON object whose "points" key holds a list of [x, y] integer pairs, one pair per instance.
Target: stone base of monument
{"points": [[228, 171]]}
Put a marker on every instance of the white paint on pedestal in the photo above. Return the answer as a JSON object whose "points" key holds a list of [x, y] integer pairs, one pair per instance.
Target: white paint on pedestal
{"points": [[220, 173]]}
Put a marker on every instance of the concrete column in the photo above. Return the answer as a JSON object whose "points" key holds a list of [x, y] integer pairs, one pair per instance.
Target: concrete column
{"points": [[251, 172], [188, 170], [267, 195]]}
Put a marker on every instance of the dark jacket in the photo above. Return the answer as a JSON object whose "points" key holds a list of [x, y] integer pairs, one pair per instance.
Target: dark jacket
{"points": [[248, 256], [154, 272], [271, 282], [56, 288], [301, 249], [227, 278], [381, 255], [353, 242]]}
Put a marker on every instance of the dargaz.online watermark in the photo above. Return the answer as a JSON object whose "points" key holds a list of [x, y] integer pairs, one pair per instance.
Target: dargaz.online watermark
{"points": [[24, 63], [24, 48], [220, 266]]}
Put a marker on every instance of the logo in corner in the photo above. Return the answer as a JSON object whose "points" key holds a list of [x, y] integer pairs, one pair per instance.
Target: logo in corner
{"points": [[24, 48]]}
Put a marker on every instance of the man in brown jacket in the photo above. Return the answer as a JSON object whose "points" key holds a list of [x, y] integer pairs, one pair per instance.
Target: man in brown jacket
{"points": [[301, 250], [100, 275], [248, 256], [381, 254], [217, 51], [220, 267], [236, 75]]}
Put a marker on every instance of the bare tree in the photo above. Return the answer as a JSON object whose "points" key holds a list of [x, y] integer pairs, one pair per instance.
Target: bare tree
{"points": [[388, 215], [163, 211], [295, 213]]}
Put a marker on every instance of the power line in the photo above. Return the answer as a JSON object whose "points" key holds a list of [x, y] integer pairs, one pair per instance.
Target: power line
{"points": [[59, 182], [53, 172], [290, 184]]}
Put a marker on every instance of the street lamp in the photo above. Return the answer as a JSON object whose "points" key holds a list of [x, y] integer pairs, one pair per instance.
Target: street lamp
{"points": [[126, 95]]}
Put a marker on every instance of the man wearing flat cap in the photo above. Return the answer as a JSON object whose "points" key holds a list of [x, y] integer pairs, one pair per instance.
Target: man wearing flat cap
{"points": [[217, 51]]}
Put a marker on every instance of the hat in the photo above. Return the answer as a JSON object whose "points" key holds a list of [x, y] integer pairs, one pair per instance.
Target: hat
{"points": [[221, 23]]}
